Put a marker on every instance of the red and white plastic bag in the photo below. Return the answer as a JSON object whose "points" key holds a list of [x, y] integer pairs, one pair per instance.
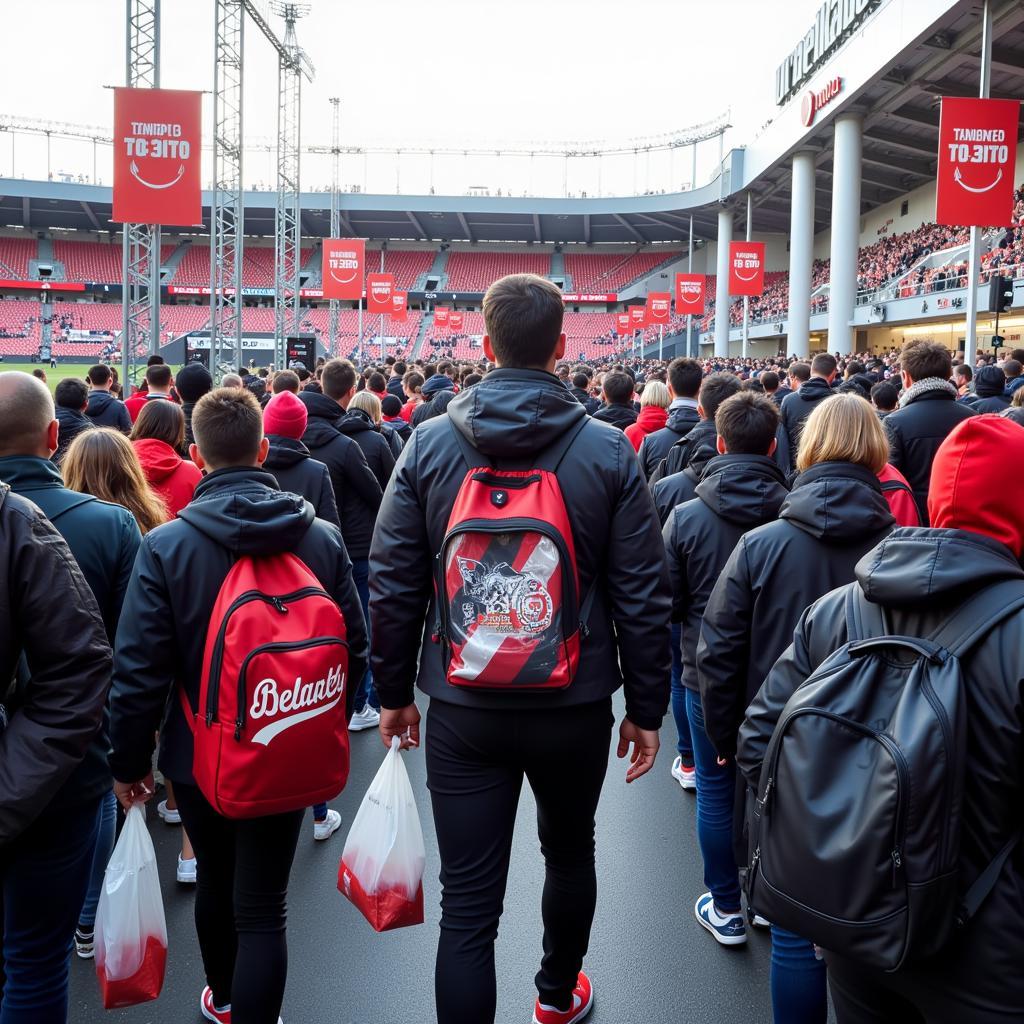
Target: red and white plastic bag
{"points": [[131, 933], [381, 869]]}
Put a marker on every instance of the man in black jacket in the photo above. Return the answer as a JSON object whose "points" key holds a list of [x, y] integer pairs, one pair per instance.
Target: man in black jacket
{"points": [[244, 865], [105, 410], [797, 407], [71, 397], [684, 380], [480, 743], [193, 381], [989, 391], [928, 411], [580, 384], [618, 409]]}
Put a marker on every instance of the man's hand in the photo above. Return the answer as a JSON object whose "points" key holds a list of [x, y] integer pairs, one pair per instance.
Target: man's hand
{"points": [[403, 723], [129, 793], [645, 748]]}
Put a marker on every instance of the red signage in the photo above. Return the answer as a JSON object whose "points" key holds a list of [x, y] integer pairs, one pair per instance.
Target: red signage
{"points": [[813, 101], [622, 323], [441, 316], [746, 268], [977, 154], [574, 297], [44, 286], [637, 317], [455, 321], [690, 294], [379, 288], [398, 306], [157, 148], [659, 308], [342, 271]]}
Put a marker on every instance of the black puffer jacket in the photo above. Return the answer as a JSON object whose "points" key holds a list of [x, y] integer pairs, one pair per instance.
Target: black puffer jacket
{"points": [[357, 490], [177, 575], [295, 470], [360, 427], [588, 402], [654, 447], [922, 576], [989, 391], [71, 424], [620, 416], [688, 457], [798, 406], [834, 514], [107, 411], [512, 415], [735, 494]]}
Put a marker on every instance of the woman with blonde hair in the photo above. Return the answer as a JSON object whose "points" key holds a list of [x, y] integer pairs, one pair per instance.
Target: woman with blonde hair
{"points": [[367, 402], [654, 403], [835, 513]]}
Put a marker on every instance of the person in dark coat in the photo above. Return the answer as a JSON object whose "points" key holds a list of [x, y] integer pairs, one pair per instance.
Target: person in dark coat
{"points": [[684, 380], [106, 409], [436, 406], [580, 384], [798, 406], [921, 577], [618, 409], [391, 414], [289, 461], [193, 381], [928, 412], [990, 394], [835, 513], [71, 398]]}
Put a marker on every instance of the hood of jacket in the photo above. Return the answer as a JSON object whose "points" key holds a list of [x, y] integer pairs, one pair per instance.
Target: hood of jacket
{"points": [[989, 381], [25, 473], [515, 413], [839, 502], [814, 389], [159, 460], [651, 418], [74, 416], [99, 401], [245, 511], [683, 419], [744, 489], [323, 415], [355, 421], [285, 452], [439, 382]]}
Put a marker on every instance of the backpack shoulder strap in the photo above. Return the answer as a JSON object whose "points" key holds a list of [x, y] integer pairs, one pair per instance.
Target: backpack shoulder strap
{"points": [[977, 616], [864, 619], [985, 882]]}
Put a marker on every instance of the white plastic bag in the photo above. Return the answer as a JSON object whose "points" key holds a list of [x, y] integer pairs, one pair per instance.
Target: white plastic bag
{"points": [[131, 933], [381, 868]]}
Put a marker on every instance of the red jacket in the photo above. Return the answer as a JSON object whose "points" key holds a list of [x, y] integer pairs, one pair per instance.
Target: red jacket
{"points": [[900, 497], [168, 473], [138, 400], [651, 418]]}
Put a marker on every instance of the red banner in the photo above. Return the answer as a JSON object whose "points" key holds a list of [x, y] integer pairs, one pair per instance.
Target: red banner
{"points": [[44, 286], [690, 294], [158, 144], [659, 308], [343, 262], [455, 321], [398, 306], [622, 323], [637, 317], [379, 288], [977, 155], [746, 268], [441, 316]]}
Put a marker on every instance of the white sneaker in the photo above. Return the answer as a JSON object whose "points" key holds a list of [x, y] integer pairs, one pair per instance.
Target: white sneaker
{"points": [[686, 777], [169, 815], [326, 828], [186, 871], [368, 718], [760, 922]]}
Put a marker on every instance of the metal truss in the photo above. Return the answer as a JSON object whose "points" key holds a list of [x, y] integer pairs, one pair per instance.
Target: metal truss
{"points": [[334, 305]]}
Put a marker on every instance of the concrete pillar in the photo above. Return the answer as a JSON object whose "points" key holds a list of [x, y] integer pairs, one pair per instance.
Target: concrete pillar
{"points": [[801, 255], [722, 283], [845, 231]]}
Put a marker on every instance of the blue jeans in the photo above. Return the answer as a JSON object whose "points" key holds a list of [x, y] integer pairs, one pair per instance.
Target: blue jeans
{"points": [[365, 692], [684, 745], [43, 877], [101, 854], [798, 980], [716, 791]]}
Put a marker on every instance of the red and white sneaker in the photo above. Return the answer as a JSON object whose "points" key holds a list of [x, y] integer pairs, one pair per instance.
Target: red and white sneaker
{"points": [[582, 1004], [209, 1011]]}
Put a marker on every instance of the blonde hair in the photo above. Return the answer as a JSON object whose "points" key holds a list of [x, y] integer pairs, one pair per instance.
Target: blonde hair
{"points": [[655, 393], [843, 428], [369, 403], [1018, 398], [103, 463]]}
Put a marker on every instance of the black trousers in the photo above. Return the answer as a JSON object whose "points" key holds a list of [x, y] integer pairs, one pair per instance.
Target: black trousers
{"points": [[242, 886], [476, 761]]}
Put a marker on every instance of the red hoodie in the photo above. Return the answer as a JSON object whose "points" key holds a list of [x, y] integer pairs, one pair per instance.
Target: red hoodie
{"points": [[651, 418], [168, 473], [900, 497]]}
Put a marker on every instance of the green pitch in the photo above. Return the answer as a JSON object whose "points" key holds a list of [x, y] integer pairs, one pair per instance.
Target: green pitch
{"points": [[54, 377]]}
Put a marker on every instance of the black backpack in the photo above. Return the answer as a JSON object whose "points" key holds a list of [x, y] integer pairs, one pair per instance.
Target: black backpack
{"points": [[856, 825]]}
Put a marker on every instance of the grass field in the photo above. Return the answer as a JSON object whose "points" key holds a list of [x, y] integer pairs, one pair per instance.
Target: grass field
{"points": [[54, 377]]}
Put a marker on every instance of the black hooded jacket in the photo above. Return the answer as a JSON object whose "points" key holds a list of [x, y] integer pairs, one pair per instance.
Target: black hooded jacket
{"points": [[620, 416], [376, 448], [736, 493], [178, 573], [511, 416], [655, 446], [989, 391], [588, 402], [835, 512], [357, 491], [675, 481], [797, 406], [921, 576], [72, 423], [107, 411], [297, 471]]}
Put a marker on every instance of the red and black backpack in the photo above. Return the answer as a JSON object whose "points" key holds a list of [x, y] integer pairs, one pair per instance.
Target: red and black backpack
{"points": [[510, 612]]}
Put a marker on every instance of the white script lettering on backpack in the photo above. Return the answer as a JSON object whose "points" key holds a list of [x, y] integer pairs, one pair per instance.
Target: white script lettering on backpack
{"points": [[300, 703]]}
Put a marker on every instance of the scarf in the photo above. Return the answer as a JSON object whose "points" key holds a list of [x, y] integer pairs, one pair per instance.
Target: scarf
{"points": [[925, 385]]}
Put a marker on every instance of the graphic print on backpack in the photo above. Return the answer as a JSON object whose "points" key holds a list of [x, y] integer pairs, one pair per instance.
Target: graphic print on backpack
{"points": [[270, 733]]}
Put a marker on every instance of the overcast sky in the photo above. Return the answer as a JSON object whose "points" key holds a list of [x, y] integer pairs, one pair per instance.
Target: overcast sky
{"points": [[433, 72]]}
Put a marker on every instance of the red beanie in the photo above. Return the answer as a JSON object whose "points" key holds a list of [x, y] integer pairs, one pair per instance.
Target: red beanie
{"points": [[974, 485], [285, 415]]}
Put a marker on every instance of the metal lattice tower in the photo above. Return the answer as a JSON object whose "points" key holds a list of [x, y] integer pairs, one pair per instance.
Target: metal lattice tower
{"points": [[335, 305], [140, 260], [226, 208]]}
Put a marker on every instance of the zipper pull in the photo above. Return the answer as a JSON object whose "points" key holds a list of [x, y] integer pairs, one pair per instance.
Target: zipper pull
{"points": [[209, 719], [897, 863], [279, 605], [584, 630], [755, 858], [767, 792], [238, 729]]}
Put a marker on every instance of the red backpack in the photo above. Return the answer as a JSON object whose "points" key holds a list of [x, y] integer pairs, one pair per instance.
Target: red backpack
{"points": [[270, 732], [507, 585]]}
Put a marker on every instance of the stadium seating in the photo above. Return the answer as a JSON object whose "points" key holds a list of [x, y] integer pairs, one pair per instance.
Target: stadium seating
{"points": [[257, 266], [600, 273], [15, 254], [476, 271], [96, 261], [405, 264]]}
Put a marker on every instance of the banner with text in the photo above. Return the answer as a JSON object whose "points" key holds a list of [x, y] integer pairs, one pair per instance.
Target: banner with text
{"points": [[622, 325], [690, 294], [343, 262], [157, 150], [379, 288], [455, 321], [441, 316], [659, 308], [399, 302], [637, 317], [746, 268], [977, 156]]}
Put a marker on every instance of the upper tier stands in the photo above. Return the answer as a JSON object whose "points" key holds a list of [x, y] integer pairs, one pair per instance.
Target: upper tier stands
{"points": [[405, 264], [96, 261], [476, 271], [257, 266], [15, 254], [600, 273]]}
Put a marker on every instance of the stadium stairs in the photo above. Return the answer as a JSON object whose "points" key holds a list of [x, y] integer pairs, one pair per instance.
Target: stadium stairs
{"points": [[439, 268], [426, 323], [44, 254], [558, 271], [46, 317], [313, 267], [169, 267]]}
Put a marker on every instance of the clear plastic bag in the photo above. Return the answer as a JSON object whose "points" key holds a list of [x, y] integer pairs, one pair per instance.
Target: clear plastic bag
{"points": [[131, 933], [381, 868]]}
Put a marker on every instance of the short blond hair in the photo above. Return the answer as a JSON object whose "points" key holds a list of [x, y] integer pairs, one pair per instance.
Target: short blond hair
{"points": [[655, 393], [843, 428], [368, 402]]}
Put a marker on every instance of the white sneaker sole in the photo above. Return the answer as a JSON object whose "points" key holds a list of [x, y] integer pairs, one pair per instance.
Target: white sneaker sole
{"points": [[687, 782], [722, 940], [322, 836], [580, 1014]]}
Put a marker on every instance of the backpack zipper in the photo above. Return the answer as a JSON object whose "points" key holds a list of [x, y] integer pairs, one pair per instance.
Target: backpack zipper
{"points": [[947, 738]]}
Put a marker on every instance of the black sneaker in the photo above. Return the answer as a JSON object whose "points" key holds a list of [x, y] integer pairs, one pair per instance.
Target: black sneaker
{"points": [[85, 945]]}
